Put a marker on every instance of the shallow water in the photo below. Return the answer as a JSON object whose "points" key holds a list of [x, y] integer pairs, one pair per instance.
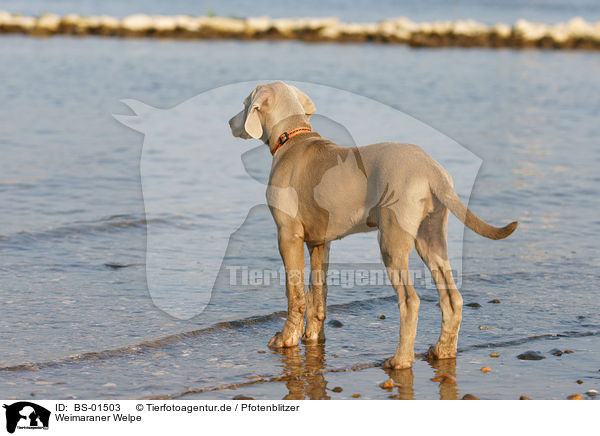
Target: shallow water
{"points": [[71, 198]]}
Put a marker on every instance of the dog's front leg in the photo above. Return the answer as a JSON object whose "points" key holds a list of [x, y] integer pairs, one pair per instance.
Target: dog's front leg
{"points": [[291, 248], [316, 304]]}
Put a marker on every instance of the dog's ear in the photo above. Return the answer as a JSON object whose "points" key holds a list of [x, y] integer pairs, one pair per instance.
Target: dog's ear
{"points": [[261, 100], [305, 101]]}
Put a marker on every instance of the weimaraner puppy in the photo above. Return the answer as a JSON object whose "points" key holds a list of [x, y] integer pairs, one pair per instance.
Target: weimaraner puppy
{"points": [[319, 191]]}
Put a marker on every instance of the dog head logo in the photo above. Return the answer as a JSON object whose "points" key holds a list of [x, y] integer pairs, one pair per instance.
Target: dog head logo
{"points": [[26, 415], [200, 185]]}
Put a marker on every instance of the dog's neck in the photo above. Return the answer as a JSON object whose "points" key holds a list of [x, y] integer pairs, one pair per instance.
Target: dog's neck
{"points": [[286, 125]]}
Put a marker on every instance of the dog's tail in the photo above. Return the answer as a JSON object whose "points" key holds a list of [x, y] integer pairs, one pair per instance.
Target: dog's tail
{"points": [[442, 188]]}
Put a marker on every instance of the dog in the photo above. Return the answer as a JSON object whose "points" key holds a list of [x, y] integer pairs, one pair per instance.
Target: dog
{"points": [[319, 191]]}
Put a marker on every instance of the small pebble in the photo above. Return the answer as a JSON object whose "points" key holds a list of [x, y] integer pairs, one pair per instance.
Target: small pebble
{"points": [[335, 323], [470, 397], [444, 379], [242, 397], [32, 394], [579, 382], [592, 393], [494, 355], [486, 369], [381, 316], [355, 395], [523, 397], [337, 389], [387, 385], [261, 352], [556, 352], [568, 351], [494, 301], [575, 397], [580, 317], [473, 305], [484, 327], [530, 355], [115, 265]]}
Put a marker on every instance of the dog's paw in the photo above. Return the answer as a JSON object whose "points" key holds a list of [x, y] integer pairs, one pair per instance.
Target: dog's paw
{"points": [[397, 363], [437, 352], [313, 339], [276, 341], [279, 340]]}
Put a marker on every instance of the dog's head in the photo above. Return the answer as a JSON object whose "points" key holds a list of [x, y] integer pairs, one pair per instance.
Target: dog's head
{"points": [[268, 105]]}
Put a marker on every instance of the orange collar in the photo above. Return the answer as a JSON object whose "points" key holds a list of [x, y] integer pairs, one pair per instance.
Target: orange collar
{"points": [[286, 136]]}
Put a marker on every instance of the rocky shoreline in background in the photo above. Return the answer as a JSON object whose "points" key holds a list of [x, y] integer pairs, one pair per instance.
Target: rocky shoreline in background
{"points": [[575, 34]]}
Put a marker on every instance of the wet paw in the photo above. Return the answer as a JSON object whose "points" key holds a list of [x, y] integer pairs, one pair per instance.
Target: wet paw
{"points": [[315, 332], [397, 363], [276, 341], [436, 352], [313, 339], [281, 340]]}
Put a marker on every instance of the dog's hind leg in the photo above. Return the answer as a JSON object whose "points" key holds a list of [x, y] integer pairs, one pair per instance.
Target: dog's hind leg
{"points": [[396, 245], [316, 301], [432, 247]]}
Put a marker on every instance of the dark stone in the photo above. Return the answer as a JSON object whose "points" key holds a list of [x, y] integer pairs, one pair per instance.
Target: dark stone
{"points": [[556, 352], [470, 397], [337, 389], [523, 397], [117, 265], [242, 397], [335, 323], [381, 316], [494, 301], [473, 305], [579, 382], [530, 355]]}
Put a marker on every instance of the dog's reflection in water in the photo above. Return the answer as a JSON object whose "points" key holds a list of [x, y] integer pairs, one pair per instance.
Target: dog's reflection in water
{"points": [[445, 373], [305, 378], [304, 372], [448, 388], [404, 381]]}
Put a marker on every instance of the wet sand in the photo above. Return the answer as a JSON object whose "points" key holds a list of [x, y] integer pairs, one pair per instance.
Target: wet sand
{"points": [[306, 376], [240, 364]]}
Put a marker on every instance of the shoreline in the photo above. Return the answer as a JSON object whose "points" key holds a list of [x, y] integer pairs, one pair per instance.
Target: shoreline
{"points": [[576, 34]]}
